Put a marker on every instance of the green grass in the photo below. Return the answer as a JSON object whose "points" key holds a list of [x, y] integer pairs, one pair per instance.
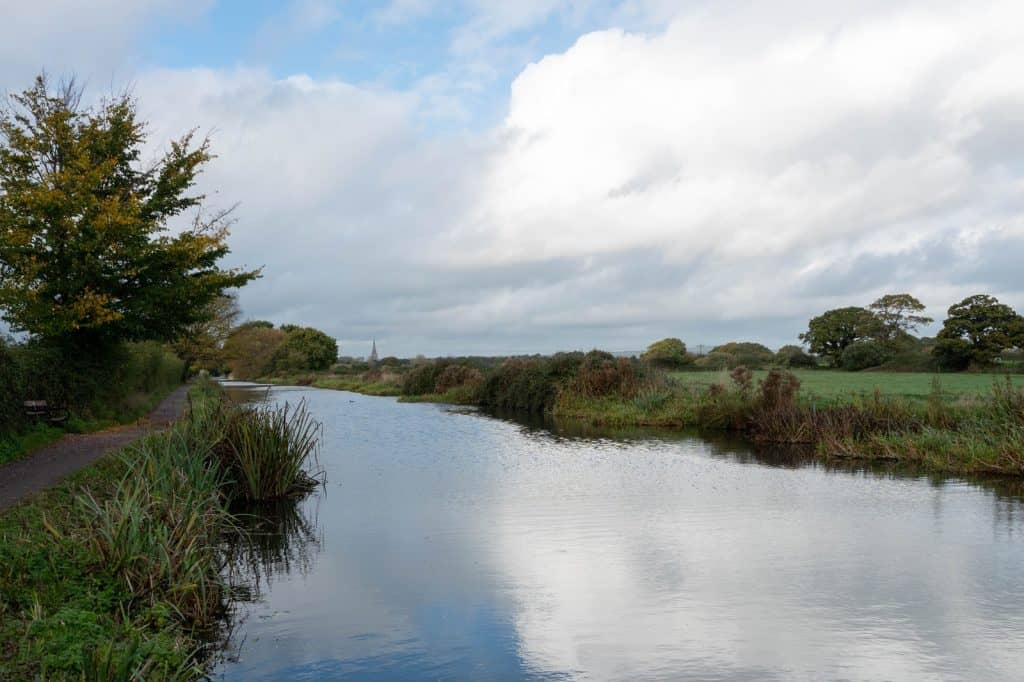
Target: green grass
{"points": [[62, 612], [16, 446], [832, 384], [336, 383], [458, 395], [357, 386]]}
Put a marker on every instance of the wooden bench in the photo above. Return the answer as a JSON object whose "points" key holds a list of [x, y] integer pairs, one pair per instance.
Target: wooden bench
{"points": [[40, 409]]}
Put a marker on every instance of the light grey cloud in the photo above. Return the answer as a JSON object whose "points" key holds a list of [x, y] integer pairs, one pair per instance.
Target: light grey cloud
{"points": [[99, 41]]}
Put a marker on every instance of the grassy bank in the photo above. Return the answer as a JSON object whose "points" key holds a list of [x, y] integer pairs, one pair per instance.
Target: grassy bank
{"points": [[118, 573], [355, 384], [952, 423], [970, 431]]}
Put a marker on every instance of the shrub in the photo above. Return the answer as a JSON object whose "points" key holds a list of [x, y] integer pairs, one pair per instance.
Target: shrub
{"points": [[523, 384], [862, 355], [748, 354], [422, 378], [455, 376], [564, 365], [667, 354], [601, 374], [793, 356], [715, 361], [11, 388], [742, 379], [778, 389]]}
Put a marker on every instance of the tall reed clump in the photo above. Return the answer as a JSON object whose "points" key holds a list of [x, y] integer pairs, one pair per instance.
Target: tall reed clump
{"points": [[269, 453], [160, 529]]}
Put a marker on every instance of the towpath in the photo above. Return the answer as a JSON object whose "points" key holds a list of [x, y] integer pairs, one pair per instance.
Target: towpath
{"points": [[49, 465]]}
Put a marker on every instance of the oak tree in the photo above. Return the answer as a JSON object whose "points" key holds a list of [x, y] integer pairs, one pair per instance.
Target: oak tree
{"points": [[830, 333], [977, 330], [900, 315]]}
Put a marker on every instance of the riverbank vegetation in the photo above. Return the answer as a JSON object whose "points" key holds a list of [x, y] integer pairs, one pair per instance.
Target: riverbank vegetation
{"points": [[121, 572], [844, 398]]}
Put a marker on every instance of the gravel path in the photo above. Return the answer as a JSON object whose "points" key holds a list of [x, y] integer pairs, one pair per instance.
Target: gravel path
{"points": [[49, 465]]}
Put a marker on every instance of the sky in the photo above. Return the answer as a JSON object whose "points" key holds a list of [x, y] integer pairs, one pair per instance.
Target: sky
{"points": [[488, 177]]}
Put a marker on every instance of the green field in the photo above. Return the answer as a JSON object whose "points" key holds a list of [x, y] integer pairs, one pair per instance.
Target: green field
{"points": [[837, 384]]}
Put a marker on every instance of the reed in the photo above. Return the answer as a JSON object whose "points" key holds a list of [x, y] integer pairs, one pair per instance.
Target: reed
{"points": [[270, 453], [159, 531]]}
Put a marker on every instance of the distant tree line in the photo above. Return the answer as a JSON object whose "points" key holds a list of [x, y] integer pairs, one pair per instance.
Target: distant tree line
{"points": [[975, 333]]}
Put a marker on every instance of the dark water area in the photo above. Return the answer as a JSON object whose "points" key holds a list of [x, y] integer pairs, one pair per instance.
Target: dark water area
{"points": [[449, 544]]}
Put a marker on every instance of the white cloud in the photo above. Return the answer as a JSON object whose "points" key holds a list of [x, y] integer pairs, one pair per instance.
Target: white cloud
{"points": [[751, 151]]}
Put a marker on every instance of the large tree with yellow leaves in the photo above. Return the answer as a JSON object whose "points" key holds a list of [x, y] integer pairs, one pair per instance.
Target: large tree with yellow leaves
{"points": [[87, 258]]}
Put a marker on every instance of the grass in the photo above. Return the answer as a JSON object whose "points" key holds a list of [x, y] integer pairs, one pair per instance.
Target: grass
{"points": [[835, 384], [337, 383], [118, 572], [63, 612], [36, 436], [457, 395]]}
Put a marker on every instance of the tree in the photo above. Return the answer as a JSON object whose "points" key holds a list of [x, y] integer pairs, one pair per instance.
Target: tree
{"points": [[250, 350], [201, 344], [745, 353], [668, 353], [794, 356], [977, 329], [305, 348], [864, 354], [830, 333], [900, 316], [86, 258]]}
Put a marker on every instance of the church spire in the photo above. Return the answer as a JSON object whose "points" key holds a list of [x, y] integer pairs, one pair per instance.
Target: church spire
{"points": [[372, 360]]}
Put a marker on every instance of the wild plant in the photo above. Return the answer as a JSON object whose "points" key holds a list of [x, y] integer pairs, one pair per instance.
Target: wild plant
{"points": [[265, 451]]}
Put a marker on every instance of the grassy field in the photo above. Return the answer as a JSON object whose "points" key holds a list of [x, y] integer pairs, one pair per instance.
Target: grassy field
{"points": [[828, 384]]}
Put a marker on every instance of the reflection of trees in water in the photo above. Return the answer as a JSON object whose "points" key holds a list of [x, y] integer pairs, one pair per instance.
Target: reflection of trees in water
{"points": [[1009, 489], [271, 539]]}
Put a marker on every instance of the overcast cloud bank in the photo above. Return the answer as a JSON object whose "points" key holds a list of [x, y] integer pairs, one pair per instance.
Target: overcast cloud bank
{"points": [[714, 173]]}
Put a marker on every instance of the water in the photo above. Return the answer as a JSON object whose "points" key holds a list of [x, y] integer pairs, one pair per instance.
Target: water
{"points": [[453, 545]]}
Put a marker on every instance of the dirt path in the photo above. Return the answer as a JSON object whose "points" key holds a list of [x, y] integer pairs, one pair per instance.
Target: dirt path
{"points": [[50, 464]]}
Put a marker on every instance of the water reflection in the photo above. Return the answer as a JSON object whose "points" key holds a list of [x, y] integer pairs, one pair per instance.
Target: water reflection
{"points": [[271, 539], [462, 546]]}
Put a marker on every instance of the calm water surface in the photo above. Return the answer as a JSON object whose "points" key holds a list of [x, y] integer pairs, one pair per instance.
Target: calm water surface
{"points": [[452, 545]]}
